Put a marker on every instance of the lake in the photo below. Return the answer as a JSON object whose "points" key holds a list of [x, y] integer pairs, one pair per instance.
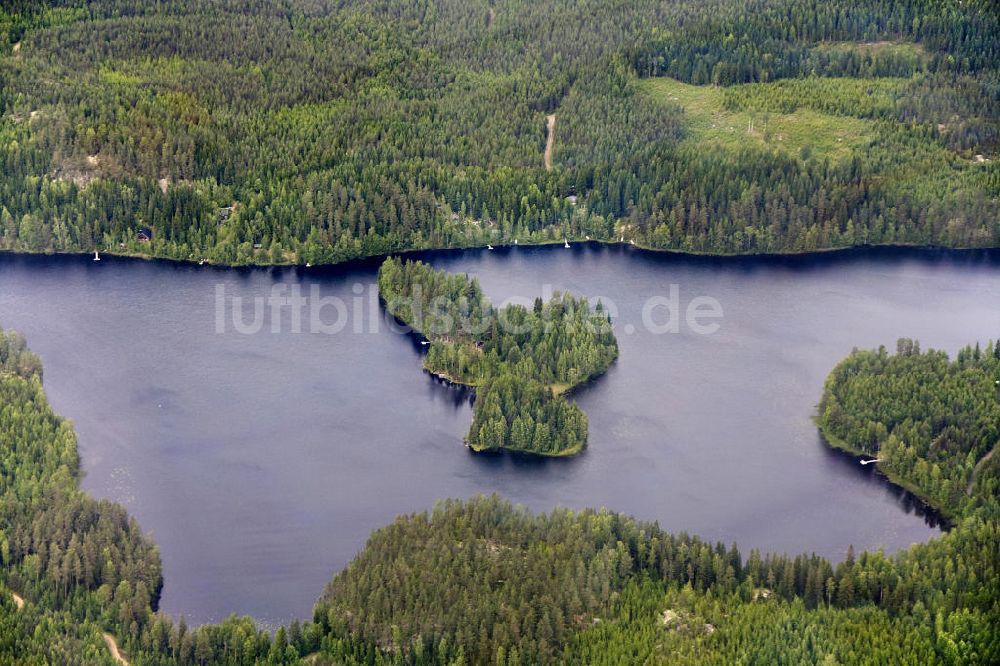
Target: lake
{"points": [[260, 460]]}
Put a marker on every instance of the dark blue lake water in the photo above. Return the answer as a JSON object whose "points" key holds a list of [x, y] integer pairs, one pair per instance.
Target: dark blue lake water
{"points": [[260, 461]]}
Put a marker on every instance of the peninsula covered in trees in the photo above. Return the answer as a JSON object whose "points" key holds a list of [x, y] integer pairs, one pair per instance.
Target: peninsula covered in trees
{"points": [[932, 423], [484, 582], [249, 131], [521, 360]]}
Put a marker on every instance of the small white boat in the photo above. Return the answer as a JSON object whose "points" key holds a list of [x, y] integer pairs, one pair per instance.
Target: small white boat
{"points": [[425, 342], [565, 243], [308, 265], [621, 240], [97, 256], [632, 241], [201, 263], [489, 247], [515, 241]]}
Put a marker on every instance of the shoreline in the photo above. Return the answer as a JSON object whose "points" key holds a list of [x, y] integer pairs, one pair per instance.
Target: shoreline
{"points": [[684, 254], [567, 453], [557, 390], [946, 517]]}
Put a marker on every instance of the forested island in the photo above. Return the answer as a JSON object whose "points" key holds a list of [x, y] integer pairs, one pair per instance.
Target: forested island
{"points": [[482, 581], [253, 132], [520, 360]]}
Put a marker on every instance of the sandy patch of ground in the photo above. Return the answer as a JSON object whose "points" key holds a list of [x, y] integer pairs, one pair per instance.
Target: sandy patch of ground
{"points": [[113, 648], [79, 172], [550, 139]]}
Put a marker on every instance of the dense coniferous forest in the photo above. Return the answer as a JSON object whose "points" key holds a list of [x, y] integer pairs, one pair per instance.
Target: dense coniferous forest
{"points": [[483, 581], [521, 360], [257, 132], [932, 423], [246, 131]]}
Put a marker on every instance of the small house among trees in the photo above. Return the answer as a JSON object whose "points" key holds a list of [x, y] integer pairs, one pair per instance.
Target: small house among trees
{"points": [[145, 235]]}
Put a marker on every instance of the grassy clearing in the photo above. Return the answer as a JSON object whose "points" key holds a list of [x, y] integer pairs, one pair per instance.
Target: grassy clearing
{"points": [[708, 120], [885, 48], [116, 77], [832, 116], [837, 96]]}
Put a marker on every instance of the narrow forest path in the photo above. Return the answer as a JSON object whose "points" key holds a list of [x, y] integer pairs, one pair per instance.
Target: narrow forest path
{"points": [[550, 140], [18, 600], [979, 465], [113, 648]]}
